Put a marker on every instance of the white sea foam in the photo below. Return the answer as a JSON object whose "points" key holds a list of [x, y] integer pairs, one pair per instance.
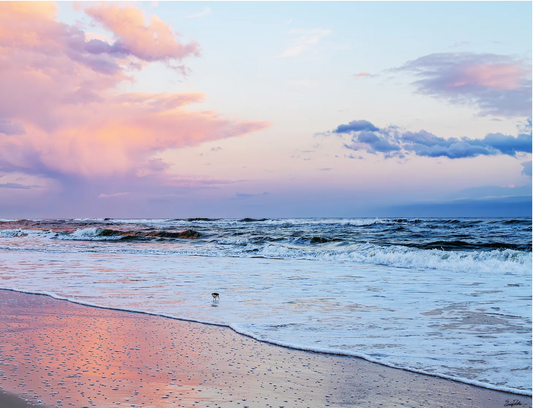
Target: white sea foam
{"points": [[327, 221], [19, 232], [87, 234], [472, 326], [398, 256]]}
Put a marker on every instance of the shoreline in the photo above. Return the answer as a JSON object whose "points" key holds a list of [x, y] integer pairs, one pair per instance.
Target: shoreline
{"points": [[267, 372], [279, 344]]}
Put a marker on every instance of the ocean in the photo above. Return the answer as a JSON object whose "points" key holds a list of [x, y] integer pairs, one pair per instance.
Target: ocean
{"points": [[444, 297]]}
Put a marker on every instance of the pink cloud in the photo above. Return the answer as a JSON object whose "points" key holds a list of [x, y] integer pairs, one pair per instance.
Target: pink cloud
{"points": [[502, 76], [497, 85], [59, 108], [362, 75], [154, 41]]}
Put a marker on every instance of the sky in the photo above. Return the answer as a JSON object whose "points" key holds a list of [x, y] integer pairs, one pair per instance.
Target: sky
{"points": [[265, 109]]}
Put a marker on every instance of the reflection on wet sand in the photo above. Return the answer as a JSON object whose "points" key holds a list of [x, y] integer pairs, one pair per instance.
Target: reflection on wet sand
{"points": [[89, 357], [61, 354]]}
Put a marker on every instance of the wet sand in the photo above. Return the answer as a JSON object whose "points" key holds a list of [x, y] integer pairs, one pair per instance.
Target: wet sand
{"points": [[62, 354], [8, 400]]}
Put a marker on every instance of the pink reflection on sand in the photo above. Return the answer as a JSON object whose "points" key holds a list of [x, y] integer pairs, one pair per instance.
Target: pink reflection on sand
{"points": [[95, 357]]}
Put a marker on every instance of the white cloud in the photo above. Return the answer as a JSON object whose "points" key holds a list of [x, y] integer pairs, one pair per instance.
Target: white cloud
{"points": [[206, 11], [112, 195], [306, 40]]}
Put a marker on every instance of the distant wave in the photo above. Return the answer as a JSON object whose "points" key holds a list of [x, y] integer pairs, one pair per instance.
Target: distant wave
{"points": [[101, 234]]}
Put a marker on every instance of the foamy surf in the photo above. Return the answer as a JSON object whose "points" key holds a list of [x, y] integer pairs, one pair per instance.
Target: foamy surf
{"points": [[402, 318]]}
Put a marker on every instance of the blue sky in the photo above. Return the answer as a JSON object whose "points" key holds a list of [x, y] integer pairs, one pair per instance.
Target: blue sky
{"points": [[262, 88]]}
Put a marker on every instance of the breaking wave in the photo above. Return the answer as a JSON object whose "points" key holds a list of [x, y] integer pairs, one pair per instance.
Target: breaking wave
{"points": [[312, 249]]}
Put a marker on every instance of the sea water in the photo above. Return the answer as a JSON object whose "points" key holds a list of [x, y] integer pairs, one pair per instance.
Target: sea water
{"points": [[445, 297]]}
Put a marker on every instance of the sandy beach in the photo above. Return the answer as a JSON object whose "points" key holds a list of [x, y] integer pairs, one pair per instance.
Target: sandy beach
{"points": [[57, 353]]}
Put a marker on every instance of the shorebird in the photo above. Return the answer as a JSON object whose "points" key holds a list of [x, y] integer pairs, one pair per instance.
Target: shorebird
{"points": [[216, 296]]}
